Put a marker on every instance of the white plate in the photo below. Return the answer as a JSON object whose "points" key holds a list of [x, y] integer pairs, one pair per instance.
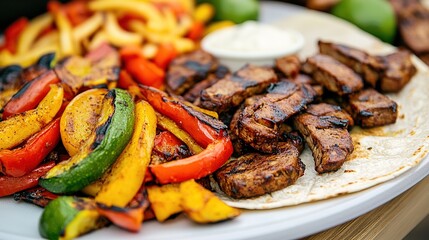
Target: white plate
{"points": [[19, 221]]}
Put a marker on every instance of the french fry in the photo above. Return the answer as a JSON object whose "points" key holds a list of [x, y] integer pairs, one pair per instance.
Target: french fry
{"points": [[88, 27], [67, 41], [185, 23], [143, 9], [33, 30], [184, 44], [204, 12], [117, 36], [28, 58], [138, 27], [170, 20], [149, 50], [188, 5], [99, 38], [49, 39]]}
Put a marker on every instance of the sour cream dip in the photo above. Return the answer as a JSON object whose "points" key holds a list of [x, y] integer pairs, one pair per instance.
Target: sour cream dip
{"points": [[252, 42]]}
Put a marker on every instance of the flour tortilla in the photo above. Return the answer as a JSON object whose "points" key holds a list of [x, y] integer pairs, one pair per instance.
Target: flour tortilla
{"points": [[380, 153]]}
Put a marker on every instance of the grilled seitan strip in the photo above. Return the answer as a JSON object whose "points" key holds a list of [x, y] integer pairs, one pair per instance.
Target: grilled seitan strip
{"points": [[231, 91], [388, 73], [370, 108], [188, 69], [368, 66], [413, 21], [259, 123], [290, 66], [305, 79], [256, 174], [325, 132], [194, 93], [332, 74], [399, 70]]}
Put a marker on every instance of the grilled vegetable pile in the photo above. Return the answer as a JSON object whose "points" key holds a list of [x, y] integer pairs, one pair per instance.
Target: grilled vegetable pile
{"points": [[84, 130]]}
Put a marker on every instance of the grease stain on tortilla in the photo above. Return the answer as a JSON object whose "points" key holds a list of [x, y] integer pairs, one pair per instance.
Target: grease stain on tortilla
{"points": [[359, 151], [376, 131], [415, 153]]}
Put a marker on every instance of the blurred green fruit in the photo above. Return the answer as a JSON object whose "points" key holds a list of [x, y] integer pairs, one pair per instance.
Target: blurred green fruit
{"points": [[373, 16], [237, 11]]}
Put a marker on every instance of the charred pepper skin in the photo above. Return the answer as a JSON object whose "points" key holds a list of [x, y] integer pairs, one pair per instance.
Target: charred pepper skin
{"points": [[207, 131], [20, 161], [30, 95], [112, 133]]}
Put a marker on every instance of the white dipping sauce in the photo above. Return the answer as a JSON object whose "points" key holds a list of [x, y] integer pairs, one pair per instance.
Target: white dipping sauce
{"points": [[252, 42]]}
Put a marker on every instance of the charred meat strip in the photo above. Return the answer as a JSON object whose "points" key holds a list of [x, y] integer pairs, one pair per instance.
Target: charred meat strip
{"points": [[388, 73], [368, 66], [231, 91], [258, 124], [240, 147], [370, 108], [327, 136], [289, 66], [399, 70], [332, 74], [255, 174], [413, 21], [284, 133], [188, 69], [305, 79], [195, 92], [325, 109]]}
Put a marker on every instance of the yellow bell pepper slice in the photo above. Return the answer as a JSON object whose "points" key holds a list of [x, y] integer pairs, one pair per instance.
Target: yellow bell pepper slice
{"points": [[122, 182], [169, 125], [18, 128], [203, 206], [164, 200]]}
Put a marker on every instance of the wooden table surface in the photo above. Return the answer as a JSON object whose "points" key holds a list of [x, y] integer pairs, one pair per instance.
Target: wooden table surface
{"points": [[393, 220]]}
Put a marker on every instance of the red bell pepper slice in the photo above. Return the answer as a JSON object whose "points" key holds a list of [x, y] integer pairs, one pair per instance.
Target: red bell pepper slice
{"points": [[169, 146], [166, 53], [125, 80], [214, 138], [196, 31], [125, 19], [37, 196], [76, 11], [130, 51], [10, 185], [145, 72], [20, 161], [30, 95], [131, 217], [12, 33]]}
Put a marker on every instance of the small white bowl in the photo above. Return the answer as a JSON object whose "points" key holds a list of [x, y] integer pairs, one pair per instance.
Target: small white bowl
{"points": [[253, 43]]}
